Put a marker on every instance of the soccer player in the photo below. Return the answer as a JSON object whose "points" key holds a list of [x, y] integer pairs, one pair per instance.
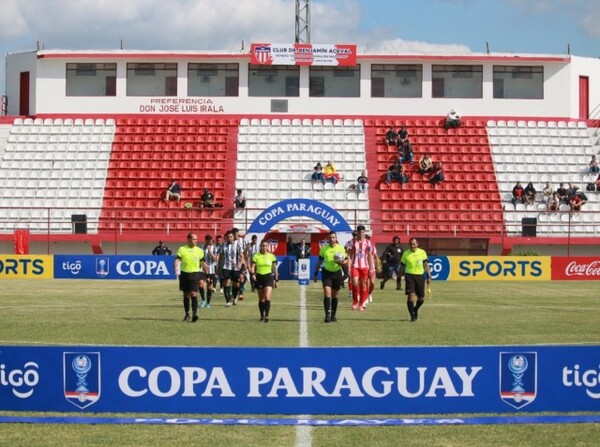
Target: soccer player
{"points": [[190, 268], [263, 272], [414, 265], [332, 274], [362, 268], [231, 261], [211, 257]]}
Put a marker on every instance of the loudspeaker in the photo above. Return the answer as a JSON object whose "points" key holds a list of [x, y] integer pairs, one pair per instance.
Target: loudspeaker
{"points": [[529, 226], [79, 223]]}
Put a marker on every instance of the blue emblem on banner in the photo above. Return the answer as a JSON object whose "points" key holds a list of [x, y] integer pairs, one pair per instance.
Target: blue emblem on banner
{"points": [[81, 373], [518, 378], [102, 267]]}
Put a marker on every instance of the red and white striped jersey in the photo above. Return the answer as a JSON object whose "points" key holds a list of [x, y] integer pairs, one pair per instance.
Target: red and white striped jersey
{"points": [[361, 252]]}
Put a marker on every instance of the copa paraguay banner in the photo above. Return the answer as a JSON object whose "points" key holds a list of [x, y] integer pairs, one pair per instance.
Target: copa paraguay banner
{"points": [[113, 267], [26, 267], [500, 268], [400, 380]]}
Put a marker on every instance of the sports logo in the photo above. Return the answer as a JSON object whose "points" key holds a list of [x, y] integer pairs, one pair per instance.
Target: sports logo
{"points": [[102, 267], [273, 243], [81, 378], [262, 54], [518, 378]]}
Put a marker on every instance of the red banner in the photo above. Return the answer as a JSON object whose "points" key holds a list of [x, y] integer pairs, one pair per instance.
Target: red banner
{"points": [[302, 54], [575, 268]]}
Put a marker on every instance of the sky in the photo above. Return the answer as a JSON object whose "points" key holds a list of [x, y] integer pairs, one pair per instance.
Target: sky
{"points": [[375, 26]]}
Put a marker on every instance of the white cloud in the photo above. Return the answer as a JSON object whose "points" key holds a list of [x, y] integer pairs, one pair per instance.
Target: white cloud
{"points": [[400, 46], [12, 22], [591, 19]]}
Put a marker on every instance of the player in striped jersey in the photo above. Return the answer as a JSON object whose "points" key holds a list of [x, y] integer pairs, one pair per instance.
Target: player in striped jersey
{"points": [[362, 268], [230, 260], [211, 257]]}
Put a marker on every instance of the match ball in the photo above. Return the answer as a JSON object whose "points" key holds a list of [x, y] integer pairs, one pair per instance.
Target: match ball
{"points": [[187, 205], [339, 257]]}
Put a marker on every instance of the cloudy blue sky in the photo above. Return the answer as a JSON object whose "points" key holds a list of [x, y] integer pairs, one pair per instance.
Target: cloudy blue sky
{"points": [[396, 26]]}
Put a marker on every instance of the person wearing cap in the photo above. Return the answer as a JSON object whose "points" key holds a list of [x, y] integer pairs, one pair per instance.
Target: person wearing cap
{"points": [[161, 250], [452, 119]]}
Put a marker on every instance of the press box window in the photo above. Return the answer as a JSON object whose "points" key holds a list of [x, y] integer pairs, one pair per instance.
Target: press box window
{"points": [[335, 82], [152, 79], [274, 80], [518, 82], [213, 79], [91, 79], [396, 81], [457, 81]]}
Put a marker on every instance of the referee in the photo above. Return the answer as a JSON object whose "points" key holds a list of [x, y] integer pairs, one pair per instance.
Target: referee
{"points": [[190, 267], [332, 275], [413, 265]]}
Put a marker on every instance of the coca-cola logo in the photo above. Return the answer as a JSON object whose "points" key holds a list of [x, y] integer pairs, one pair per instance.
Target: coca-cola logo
{"points": [[591, 269]]}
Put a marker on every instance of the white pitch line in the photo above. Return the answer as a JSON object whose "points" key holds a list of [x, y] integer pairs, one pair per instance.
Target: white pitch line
{"points": [[303, 432]]}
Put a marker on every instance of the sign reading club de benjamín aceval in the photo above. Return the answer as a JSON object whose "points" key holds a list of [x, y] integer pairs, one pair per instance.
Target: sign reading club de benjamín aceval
{"points": [[407, 380], [303, 54]]}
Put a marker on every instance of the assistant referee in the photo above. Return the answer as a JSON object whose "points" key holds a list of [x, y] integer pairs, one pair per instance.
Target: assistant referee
{"points": [[191, 269], [413, 265]]}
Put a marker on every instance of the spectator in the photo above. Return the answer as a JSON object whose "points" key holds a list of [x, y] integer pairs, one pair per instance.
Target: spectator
{"points": [[402, 136], [576, 201], [518, 194], [362, 182], [452, 119], [562, 193], [425, 164], [303, 249], [547, 191], [597, 182], [330, 174], [207, 199], [405, 153], [317, 174], [240, 199], [437, 174], [553, 202], [290, 247], [593, 165], [391, 137], [530, 193], [396, 172], [571, 191], [174, 190], [161, 250]]}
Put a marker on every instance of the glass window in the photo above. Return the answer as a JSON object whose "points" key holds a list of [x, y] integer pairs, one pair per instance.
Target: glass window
{"points": [[213, 79], [151, 79], [518, 82], [396, 81], [91, 79], [273, 80], [335, 82], [457, 81]]}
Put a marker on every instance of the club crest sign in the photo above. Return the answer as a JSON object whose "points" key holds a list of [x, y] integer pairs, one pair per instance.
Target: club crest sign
{"points": [[518, 378]]}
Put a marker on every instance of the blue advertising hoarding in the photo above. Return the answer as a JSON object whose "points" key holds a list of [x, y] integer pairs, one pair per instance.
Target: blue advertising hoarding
{"points": [[113, 267], [402, 380]]}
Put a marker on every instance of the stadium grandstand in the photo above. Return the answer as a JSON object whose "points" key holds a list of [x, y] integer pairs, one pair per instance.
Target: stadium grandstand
{"points": [[90, 140]]}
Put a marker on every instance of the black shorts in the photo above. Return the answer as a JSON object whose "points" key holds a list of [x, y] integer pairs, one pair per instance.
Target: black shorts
{"points": [[263, 281], [189, 282], [234, 275], [333, 279], [211, 278], [415, 284]]}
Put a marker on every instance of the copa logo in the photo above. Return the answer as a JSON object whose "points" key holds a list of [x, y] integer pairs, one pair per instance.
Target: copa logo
{"points": [[502, 269], [439, 267], [21, 381], [142, 268], [21, 266]]}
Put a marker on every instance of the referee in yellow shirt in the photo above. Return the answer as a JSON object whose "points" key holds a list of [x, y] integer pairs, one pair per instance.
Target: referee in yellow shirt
{"points": [[413, 265], [190, 267]]}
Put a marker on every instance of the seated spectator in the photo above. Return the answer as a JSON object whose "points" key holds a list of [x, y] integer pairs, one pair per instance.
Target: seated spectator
{"points": [[593, 165], [362, 182], [207, 199], [597, 182], [317, 174], [576, 201], [425, 164], [391, 137], [402, 136], [174, 191], [562, 193], [518, 194], [405, 152], [240, 199], [437, 174], [330, 174], [452, 119], [547, 191], [553, 202], [161, 250], [396, 172], [530, 193], [571, 190]]}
